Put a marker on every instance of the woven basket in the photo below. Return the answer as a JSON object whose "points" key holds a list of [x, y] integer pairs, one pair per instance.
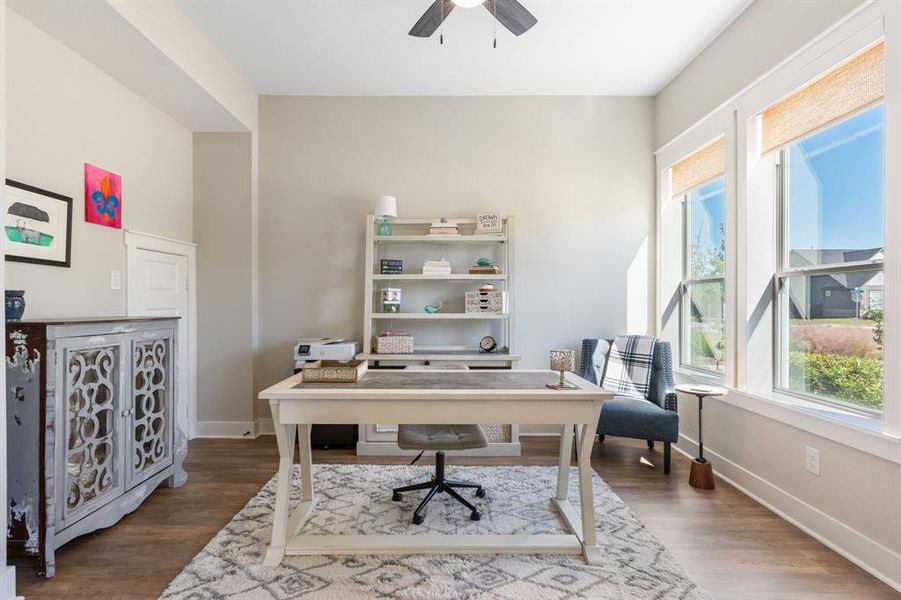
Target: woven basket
{"points": [[393, 344]]}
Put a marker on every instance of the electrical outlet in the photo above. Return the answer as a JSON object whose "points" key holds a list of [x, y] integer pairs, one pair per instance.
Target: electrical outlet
{"points": [[812, 461], [115, 280]]}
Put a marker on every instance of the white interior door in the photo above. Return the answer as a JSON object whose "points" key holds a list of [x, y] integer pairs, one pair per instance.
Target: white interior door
{"points": [[158, 285]]}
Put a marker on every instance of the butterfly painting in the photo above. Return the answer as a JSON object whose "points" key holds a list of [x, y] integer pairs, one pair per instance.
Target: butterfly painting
{"points": [[102, 197]]}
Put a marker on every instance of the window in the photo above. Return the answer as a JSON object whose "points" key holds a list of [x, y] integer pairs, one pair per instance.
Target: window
{"points": [[830, 284], [699, 181]]}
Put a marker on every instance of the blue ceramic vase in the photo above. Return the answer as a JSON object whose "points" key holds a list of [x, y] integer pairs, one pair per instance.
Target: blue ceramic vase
{"points": [[15, 304]]}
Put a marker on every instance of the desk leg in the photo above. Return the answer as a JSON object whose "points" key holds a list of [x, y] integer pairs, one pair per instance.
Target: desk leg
{"points": [[590, 547], [566, 450], [306, 463], [286, 435]]}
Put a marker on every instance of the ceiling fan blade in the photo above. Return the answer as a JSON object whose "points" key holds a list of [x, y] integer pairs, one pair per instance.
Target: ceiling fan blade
{"points": [[431, 19], [512, 15]]}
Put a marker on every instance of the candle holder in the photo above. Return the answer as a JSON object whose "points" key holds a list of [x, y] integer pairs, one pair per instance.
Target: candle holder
{"points": [[563, 361]]}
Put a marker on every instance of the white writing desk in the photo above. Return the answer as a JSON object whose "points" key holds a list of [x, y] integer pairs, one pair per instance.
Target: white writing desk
{"points": [[435, 397]]}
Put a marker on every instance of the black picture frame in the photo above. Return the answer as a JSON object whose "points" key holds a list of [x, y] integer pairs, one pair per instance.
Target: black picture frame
{"points": [[67, 263]]}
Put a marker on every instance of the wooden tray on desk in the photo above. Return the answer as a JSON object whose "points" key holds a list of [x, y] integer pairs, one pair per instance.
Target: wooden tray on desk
{"points": [[335, 371]]}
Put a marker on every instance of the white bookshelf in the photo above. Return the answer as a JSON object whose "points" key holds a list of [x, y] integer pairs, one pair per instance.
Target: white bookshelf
{"points": [[413, 245], [450, 337]]}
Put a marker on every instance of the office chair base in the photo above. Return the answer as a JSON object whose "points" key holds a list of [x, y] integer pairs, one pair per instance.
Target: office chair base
{"points": [[440, 485]]}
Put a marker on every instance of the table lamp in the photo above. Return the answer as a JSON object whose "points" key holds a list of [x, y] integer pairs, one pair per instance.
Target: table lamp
{"points": [[385, 206], [563, 361]]}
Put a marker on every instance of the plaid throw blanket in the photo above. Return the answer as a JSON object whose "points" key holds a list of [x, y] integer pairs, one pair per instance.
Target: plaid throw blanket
{"points": [[629, 366]]}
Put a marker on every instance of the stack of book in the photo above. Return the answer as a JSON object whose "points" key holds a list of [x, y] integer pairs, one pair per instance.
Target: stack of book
{"points": [[436, 267], [444, 228], [484, 270]]}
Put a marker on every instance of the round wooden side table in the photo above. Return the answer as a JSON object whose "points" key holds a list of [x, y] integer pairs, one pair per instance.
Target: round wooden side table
{"points": [[701, 476]]}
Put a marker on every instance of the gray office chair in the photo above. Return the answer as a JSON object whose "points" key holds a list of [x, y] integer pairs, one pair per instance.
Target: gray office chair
{"points": [[440, 438]]}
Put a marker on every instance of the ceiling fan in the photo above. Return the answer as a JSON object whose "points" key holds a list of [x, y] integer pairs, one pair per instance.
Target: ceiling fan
{"points": [[509, 13]]}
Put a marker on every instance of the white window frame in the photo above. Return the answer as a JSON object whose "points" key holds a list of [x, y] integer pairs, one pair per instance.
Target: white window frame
{"points": [[749, 369], [687, 282], [784, 272], [849, 38], [672, 246]]}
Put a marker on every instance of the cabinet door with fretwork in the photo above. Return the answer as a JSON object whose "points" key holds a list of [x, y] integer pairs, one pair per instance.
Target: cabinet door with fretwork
{"points": [[150, 417], [91, 403]]}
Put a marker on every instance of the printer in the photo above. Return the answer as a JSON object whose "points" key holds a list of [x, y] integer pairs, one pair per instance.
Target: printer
{"points": [[323, 349], [308, 350]]}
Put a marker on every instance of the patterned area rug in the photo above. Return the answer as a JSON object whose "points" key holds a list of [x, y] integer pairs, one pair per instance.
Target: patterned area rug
{"points": [[357, 499]]}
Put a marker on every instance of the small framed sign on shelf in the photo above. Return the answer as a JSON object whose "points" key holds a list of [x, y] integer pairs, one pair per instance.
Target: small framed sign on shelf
{"points": [[489, 223]]}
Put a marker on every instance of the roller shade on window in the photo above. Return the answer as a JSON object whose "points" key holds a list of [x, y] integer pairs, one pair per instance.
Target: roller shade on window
{"points": [[706, 164], [852, 86]]}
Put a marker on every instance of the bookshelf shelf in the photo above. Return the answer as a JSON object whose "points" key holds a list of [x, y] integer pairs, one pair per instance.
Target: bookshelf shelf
{"points": [[424, 316], [439, 239], [442, 355], [451, 277]]}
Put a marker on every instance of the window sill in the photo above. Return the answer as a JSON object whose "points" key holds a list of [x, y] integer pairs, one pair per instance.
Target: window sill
{"points": [[844, 427], [697, 375]]}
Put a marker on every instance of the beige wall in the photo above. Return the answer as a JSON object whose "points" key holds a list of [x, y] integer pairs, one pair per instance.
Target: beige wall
{"points": [[578, 174], [222, 231], [62, 113], [762, 36], [855, 503]]}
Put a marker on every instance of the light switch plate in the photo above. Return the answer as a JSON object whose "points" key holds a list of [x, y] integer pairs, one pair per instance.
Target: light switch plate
{"points": [[115, 280], [812, 461]]}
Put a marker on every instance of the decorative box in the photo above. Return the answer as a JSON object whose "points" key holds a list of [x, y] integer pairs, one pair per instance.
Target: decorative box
{"points": [[334, 371], [400, 343], [390, 299], [490, 302], [391, 266]]}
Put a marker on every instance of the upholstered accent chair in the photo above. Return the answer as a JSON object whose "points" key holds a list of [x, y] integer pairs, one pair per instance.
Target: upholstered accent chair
{"points": [[653, 419]]}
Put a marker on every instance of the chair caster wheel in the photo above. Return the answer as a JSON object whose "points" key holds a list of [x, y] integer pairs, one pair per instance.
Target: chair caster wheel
{"points": [[418, 519], [475, 516], [480, 493], [397, 497]]}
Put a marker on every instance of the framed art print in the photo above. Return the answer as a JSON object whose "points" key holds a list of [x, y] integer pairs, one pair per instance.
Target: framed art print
{"points": [[38, 225], [102, 197], [489, 223]]}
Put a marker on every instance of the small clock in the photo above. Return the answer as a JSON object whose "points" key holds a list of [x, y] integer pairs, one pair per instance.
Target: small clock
{"points": [[488, 344]]}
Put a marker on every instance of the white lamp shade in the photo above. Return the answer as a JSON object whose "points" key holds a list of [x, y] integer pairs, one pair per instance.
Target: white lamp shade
{"points": [[386, 206], [468, 3]]}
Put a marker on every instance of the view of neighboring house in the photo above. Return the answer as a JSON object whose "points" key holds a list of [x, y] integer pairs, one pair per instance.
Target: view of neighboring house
{"points": [[836, 295]]}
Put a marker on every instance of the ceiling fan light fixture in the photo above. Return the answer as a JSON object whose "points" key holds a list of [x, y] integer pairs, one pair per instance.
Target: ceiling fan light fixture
{"points": [[468, 3]]}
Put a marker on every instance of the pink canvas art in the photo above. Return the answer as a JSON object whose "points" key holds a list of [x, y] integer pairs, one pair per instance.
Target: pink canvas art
{"points": [[102, 197]]}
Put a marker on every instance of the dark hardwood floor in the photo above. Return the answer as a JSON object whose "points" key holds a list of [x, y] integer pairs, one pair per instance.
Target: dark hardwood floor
{"points": [[733, 547]]}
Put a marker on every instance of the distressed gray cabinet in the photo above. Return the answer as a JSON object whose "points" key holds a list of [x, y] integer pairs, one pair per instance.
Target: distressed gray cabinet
{"points": [[92, 426]]}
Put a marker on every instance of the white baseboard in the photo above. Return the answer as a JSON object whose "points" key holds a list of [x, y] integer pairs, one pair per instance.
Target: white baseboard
{"points": [[225, 429], [8, 583], [868, 554]]}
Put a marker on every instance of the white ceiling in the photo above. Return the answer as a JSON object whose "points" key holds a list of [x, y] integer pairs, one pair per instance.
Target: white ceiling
{"points": [[361, 47]]}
